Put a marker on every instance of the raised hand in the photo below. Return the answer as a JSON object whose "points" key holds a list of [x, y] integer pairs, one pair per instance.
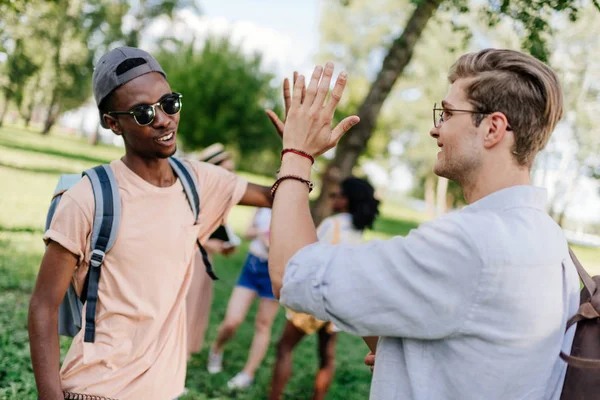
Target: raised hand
{"points": [[287, 99], [308, 120]]}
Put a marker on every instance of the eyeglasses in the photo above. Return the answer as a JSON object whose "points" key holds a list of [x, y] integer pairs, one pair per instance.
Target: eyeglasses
{"points": [[144, 114], [439, 115]]}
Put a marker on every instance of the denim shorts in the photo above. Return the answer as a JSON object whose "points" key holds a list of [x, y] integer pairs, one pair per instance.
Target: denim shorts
{"points": [[255, 276]]}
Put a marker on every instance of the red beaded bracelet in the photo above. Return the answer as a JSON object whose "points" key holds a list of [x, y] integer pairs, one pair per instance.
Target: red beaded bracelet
{"points": [[294, 177], [298, 152]]}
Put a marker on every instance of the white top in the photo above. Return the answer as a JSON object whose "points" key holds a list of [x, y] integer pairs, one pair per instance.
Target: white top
{"points": [[339, 229], [472, 305], [262, 222]]}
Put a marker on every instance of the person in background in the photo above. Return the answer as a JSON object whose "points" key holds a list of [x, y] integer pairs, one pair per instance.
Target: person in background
{"points": [[355, 208], [253, 281], [200, 294]]}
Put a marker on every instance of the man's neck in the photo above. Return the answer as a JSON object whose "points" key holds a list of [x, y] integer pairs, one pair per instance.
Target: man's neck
{"points": [[492, 180], [155, 171]]}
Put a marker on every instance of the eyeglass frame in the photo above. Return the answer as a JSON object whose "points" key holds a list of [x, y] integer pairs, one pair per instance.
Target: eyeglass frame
{"points": [[153, 106], [437, 124]]}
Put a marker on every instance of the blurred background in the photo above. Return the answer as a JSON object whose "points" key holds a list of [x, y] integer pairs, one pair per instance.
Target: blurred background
{"points": [[228, 58]]}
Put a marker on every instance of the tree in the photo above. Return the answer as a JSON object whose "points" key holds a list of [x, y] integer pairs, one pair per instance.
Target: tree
{"points": [[65, 37], [530, 18], [19, 68], [225, 93]]}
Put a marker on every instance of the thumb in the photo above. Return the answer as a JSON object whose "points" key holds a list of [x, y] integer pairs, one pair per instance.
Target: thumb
{"points": [[343, 127], [276, 122]]}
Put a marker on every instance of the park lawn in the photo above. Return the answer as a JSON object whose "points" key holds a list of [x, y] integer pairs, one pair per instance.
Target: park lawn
{"points": [[29, 168]]}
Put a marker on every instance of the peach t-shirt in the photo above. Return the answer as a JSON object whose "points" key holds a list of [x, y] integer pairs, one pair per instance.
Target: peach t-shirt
{"points": [[140, 346]]}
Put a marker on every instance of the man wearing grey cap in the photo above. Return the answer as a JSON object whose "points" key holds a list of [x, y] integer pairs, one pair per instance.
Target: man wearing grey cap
{"points": [[139, 350]]}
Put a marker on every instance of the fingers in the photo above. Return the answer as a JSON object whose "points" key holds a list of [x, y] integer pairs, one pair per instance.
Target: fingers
{"points": [[336, 94], [343, 127], [298, 92], [303, 89], [323, 86], [370, 360], [287, 96], [276, 122], [311, 91]]}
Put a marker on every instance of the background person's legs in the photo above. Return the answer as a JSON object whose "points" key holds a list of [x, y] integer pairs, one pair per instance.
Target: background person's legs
{"points": [[198, 303], [237, 309], [267, 311], [327, 363], [282, 371]]}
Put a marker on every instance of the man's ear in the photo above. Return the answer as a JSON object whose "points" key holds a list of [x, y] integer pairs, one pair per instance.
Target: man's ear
{"points": [[497, 127], [113, 124]]}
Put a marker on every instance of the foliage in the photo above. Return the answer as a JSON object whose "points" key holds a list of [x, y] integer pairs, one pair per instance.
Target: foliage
{"points": [[225, 93], [457, 26], [63, 39]]}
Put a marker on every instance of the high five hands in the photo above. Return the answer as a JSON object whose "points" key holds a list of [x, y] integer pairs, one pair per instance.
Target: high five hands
{"points": [[308, 116]]}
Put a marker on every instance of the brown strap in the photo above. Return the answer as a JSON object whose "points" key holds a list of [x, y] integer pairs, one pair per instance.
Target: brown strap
{"points": [[578, 362], [586, 311], [588, 282]]}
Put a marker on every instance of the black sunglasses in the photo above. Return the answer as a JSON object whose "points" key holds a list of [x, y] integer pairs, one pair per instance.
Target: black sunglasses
{"points": [[144, 114]]}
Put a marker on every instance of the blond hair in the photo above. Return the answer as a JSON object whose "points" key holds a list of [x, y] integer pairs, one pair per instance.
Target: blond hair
{"points": [[523, 88]]}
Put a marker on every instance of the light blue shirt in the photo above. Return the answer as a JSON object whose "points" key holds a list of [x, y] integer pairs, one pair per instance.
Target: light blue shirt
{"points": [[472, 305]]}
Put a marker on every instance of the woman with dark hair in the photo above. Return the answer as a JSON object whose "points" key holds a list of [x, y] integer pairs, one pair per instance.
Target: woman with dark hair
{"points": [[355, 208]]}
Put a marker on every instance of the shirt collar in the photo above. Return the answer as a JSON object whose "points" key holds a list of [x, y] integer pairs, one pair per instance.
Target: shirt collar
{"points": [[514, 196]]}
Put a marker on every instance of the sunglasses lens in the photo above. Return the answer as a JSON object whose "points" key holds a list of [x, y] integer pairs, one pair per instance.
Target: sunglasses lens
{"points": [[144, 115], [171, 105]]}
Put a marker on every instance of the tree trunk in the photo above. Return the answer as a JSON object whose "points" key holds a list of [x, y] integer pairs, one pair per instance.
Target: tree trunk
{"points": [[398, 57], [29, 109], [54, 107], [442, 190], [430, 196], [53, 110], [4, 109]]}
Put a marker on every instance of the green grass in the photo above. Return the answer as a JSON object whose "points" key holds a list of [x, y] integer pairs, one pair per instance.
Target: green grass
{"points": [[29, 168]]}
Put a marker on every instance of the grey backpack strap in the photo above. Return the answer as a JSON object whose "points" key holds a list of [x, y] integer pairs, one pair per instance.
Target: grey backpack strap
{"points": [[190, 187], [107, 217]]}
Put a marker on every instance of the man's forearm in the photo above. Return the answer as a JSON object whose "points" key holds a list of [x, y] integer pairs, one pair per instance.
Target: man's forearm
{"points": [[292, 227], [257, 196], [45, 352]]}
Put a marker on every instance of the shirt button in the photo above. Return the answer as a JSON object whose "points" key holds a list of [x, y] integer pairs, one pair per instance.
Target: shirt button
{"points": [[315, 283]]}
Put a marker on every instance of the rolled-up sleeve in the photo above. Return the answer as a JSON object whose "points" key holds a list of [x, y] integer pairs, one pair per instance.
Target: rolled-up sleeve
{"points": [[420, 286]]}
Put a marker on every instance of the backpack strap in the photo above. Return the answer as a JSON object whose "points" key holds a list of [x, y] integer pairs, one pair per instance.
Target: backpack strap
{"points": [[588, 282], [190, 185], [107, 217], [586, 311]]}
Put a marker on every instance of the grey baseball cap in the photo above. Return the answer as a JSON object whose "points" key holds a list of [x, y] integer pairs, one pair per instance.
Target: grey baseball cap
{"points": [[108, 75]]}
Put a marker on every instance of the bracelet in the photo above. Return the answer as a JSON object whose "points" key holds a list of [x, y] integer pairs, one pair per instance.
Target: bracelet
{"points": [[294, 177], [298, 152]]}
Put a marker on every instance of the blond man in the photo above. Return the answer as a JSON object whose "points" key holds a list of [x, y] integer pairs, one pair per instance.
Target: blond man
{"points": [[472, 305]]}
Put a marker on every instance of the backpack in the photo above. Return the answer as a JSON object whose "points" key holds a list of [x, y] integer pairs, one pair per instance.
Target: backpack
{"points": [[582, 380], [107, 217]]}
